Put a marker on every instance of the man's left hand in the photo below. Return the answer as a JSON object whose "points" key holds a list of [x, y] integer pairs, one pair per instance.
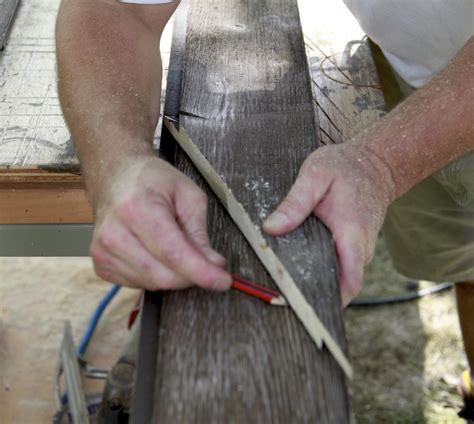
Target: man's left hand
{"points": [[349, 188]]}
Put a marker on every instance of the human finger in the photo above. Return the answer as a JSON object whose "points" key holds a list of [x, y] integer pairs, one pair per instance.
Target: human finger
{"points": [[132, 261], [161, 235], [191, 210], [299, 203]]}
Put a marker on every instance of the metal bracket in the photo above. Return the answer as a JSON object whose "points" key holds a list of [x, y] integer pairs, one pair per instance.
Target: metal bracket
{"points": [[68, 363], [45, 239]]}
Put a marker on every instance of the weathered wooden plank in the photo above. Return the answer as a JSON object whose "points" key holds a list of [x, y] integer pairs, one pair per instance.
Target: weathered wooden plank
{"points": [[225, 357], [346, 89], [33, 132], [72, 374], [264, 251], [142, 403], [7, 11]]}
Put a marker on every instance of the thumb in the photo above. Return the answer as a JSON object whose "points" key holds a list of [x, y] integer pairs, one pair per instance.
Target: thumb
{"points": [[298, 204]]}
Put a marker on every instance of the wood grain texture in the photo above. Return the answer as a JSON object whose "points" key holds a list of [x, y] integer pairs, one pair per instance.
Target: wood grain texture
{"points": [[230, 358], [32, 130], [142, 405], [45, 206], [40, 196], [7, 11], [24, 177], [346, 89], [264, 251]]}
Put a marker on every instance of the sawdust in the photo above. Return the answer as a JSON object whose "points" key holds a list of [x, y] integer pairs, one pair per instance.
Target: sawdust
{"points": [[263, 199]]}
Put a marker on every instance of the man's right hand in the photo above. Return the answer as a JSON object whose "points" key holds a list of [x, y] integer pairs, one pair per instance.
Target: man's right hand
{"points": [[150, 220], [151, 230]]}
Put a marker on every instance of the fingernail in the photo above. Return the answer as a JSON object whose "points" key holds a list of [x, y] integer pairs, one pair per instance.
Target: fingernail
{"points": [[216, 258], [275, 221], [224, 284]]}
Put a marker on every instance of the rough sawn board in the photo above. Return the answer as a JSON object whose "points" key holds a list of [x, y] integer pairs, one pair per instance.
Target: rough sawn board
{"points": [[246, 103], [7, 10]]}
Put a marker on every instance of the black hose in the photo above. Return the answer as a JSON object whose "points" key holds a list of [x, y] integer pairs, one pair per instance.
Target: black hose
{"points": [[390, 300]]}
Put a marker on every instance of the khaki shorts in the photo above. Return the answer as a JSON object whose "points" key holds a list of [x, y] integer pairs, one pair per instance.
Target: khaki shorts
{"points": [[429, 231]]}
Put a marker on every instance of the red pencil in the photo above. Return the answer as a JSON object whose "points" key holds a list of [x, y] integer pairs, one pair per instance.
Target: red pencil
{"points": [[258, 291]]}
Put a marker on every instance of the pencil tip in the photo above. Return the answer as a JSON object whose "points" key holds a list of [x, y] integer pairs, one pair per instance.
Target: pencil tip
{"points": [[279, 301]]}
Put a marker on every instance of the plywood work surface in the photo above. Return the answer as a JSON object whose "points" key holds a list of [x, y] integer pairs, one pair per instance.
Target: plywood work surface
{"points": [[32, 130]]}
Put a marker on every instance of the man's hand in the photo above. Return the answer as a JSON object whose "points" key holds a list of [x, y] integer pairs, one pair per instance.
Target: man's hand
{"points": [[349, 186], [151, 230], [349, 189]]}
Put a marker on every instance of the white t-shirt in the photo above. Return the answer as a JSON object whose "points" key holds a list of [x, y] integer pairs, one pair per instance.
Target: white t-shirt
{"points": [[418, 37]]}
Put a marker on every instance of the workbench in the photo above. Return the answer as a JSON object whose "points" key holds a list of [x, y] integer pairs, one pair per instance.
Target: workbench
{"points": [[44, 210], [44, 207], [43, 204]]}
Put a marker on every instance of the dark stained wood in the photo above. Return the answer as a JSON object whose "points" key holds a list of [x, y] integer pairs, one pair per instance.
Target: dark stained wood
{"points": [[226, 357], [7, 11], [142, 405]]}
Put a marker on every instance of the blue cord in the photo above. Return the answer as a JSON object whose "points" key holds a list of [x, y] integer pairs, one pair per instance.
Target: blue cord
{"points": [[94, 320], [92, 325]]}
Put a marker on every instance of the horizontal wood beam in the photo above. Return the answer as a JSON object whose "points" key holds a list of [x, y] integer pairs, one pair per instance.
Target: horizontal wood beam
{"points": [[40, 196], [34, 177], [45, 239]]}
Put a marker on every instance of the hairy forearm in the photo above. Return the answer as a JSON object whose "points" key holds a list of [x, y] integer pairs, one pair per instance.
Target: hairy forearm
{"points": [[433, 127], [109, 70]]}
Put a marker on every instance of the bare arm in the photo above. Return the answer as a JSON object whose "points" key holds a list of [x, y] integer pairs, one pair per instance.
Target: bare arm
{"points": [[150, 220], [433, 127], [350, 186], [109, 69]]}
